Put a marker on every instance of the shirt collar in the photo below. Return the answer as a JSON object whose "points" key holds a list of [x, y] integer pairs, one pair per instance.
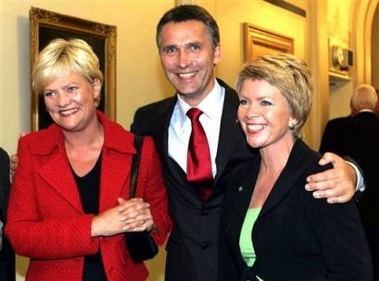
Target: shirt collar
{"points": [[210, 106], [366, 110]]}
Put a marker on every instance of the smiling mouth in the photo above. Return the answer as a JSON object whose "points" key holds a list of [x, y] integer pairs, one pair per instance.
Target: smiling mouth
{"points": [[256, 128], [186, 75], [68, 111]]}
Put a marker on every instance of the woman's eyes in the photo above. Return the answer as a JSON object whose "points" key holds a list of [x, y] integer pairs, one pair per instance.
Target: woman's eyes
{"points": [[50, 94], [70, 90], [262, 102], [265, 102], [243, 102]]}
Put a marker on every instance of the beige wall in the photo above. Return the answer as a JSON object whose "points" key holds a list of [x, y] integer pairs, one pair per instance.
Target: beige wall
{"points": [[339, 34], [139, 76], [232, 14]]}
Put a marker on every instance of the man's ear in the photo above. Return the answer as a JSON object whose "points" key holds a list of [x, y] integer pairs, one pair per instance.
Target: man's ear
{"points": [[217, 54]]}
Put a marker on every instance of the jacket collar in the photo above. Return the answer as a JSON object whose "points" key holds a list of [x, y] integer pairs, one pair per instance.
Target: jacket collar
{"points": [[114, 169], [52, 138]]}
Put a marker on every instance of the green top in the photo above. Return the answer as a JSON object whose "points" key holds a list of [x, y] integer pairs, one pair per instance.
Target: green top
{"points": [[246, 242]]}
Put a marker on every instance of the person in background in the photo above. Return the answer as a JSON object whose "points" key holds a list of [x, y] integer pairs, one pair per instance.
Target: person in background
{"points": [[188, 42], [274, 229], [358, 137], [7, 255], [68, 208]]}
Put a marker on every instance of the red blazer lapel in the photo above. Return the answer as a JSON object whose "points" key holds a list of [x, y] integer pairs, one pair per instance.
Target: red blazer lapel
{"points": [[116, 169], [62, 179]]}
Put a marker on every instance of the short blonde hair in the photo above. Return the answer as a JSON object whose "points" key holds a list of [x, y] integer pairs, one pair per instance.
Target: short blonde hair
{"points": [[63, 57], [287, 73]]}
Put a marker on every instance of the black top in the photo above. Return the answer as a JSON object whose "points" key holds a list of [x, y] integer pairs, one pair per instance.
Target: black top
{"points": [[89, 191]]}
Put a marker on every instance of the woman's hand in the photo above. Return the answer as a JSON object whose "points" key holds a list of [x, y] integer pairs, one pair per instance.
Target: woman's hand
{"points": [[130, 215], [137, 216]]}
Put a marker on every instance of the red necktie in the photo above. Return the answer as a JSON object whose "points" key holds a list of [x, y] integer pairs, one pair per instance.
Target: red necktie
{"points": [[199, 167]]}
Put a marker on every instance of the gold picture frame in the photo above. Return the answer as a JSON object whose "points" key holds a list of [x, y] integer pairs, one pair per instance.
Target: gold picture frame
{"points": [[47, 25], [260, 41]]}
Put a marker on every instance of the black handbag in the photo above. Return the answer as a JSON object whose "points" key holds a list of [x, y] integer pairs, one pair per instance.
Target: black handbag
{"points": [[140, 244]]}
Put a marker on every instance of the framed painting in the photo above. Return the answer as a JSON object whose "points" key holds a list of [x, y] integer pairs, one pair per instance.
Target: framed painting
{"points": [[259, 41], [46, 26]]}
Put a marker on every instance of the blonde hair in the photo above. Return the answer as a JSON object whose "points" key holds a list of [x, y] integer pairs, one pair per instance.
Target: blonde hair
{"points": [[290, 75], [63, 57]]}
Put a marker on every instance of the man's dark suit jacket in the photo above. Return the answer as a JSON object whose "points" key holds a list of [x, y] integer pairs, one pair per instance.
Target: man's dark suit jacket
{"points": [[358, 137], [7, 256], [192, 248], [295, 236]]}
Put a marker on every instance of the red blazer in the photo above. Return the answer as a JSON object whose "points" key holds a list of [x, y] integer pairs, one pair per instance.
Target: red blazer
{"points": [[46, 221]]}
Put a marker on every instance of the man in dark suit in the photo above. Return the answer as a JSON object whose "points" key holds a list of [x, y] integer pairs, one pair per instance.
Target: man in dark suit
{"points": [[358, 136], [7, 256]]}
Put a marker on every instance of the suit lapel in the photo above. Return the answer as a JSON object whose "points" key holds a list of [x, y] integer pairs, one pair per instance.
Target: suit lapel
{"points": [[115, 171], [291, 176], [239, 196], [231, 135], [161, 131], [112, 169], [62, 180]]}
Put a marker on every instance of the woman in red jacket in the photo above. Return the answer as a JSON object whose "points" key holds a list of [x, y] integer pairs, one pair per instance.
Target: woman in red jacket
{"points": [[68, 208]]}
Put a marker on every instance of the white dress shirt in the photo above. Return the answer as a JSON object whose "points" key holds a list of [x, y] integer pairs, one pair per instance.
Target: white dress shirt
{"points": [[180, 126]]}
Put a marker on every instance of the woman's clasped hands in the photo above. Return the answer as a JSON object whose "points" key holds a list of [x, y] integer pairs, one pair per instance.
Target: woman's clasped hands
{"points": [[131, 215]]}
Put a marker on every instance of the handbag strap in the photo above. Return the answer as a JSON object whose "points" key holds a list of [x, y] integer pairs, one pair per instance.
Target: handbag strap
{"points": [[138, 140]]}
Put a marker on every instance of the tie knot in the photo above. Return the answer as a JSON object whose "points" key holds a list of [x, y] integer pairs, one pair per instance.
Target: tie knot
{"points": [[194, 113]]}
